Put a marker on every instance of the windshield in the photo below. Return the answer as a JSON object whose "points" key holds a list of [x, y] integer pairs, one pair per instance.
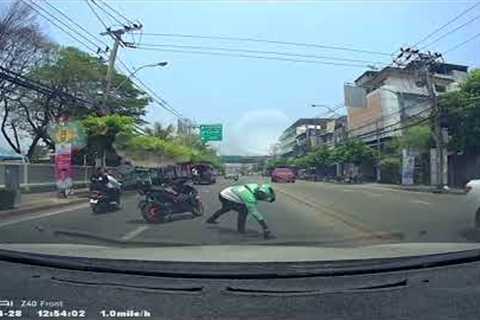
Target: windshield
{"points": [[319, 124]]}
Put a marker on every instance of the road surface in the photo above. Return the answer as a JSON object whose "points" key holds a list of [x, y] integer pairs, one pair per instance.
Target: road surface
{"points": [[305, 213]]}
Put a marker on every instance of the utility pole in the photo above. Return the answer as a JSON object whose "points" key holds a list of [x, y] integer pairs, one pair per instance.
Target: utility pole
{"points": [[425, 63], [377, 130], [117, 38]]}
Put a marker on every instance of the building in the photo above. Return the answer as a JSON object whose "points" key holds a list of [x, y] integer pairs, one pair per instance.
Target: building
{"points": [[382, 103], [300, 132], [392, 97]]}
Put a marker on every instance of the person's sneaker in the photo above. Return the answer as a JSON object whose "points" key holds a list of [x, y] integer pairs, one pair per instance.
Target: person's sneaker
{"points": [[210, 221]]}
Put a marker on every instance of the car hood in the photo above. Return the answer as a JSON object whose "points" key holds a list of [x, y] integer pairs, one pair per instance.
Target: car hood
{"points": [[244, 253]]}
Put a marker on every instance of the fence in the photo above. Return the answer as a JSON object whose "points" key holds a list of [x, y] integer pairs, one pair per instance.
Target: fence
{"points": [[35, 177]]}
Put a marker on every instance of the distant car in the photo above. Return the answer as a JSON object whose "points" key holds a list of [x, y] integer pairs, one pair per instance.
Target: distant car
{"points": [[472, 190], [283, 175]]}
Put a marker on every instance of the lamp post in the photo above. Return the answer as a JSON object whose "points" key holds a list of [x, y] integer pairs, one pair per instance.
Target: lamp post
{"points": [[153, 65]]}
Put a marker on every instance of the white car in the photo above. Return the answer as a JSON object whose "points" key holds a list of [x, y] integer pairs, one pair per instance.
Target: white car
{"points": [[472, 189]]}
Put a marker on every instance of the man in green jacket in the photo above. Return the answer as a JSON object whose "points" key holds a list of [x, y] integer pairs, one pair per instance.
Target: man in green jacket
{"points": [[243, 199]]}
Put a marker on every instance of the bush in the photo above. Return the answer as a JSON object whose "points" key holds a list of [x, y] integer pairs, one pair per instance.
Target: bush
{"points": [[390, 168], [7, 199]]}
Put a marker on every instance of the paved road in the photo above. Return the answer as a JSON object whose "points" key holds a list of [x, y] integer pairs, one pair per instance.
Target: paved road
{"points": [[305, 213]]}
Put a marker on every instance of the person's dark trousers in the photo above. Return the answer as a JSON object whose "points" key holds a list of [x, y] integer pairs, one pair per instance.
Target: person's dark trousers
{"points": [[228, 205]]}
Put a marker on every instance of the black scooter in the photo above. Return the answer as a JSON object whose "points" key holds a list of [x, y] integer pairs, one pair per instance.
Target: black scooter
{"points": [[159, 203], [102, 201]]}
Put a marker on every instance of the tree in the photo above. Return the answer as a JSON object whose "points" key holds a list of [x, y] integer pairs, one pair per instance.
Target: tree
{"points": [[157, 130], [103, 131], [462, 114], [69, 70], [418, 138], [353, 151], [22, 48]]}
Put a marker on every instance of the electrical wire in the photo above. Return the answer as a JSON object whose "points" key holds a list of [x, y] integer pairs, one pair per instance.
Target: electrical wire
{"points": [[75, 23], [107, 13], [298, 44], [446, 24], [116, 11], [212, 53], [386, 116], [97, 15], [451, 31], [461, 44], [62, 22], [62, 29], [159, 100], [289, 54]]}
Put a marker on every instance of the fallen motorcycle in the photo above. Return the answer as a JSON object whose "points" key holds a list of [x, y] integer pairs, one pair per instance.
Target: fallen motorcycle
{"points": [[159, 203]]}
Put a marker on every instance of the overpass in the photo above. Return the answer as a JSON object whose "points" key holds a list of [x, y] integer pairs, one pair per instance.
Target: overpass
{"points": [[244, 159]]}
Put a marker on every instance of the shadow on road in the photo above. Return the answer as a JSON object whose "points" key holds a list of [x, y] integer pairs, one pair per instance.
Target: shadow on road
{"points": [[173, 218], [249, 233]]}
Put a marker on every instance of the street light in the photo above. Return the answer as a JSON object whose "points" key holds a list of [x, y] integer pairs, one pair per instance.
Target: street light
{"points": [[159, 64]]}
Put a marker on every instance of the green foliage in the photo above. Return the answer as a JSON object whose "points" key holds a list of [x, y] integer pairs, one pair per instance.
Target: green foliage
{"points": [[71, 70], [462, 109], [102, 131], [418, 138], [352, 151], [158, 131]]}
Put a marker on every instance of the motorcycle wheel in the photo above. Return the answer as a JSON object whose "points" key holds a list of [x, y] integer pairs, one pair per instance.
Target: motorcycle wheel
{"points": [[152, 214], [96, 209], [199, 209]]}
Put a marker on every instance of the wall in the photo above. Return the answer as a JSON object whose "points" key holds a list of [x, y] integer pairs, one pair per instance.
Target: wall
{"points": [[43, 175]]}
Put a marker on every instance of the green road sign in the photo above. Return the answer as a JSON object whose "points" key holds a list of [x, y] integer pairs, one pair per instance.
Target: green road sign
{"points": [[211, 132]]}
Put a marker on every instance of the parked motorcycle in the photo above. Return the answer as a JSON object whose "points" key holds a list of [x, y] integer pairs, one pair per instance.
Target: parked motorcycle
{"points": [[159, 203], [101, 201]]}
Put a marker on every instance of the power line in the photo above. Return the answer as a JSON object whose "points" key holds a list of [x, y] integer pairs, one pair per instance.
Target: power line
{"points": [[62, 22], [75, 23], [446, 24], [289, 54], [291, 43], [386, 116], [159, 100], [254, 57], [96, 14], [59, 27], [451, 31], [116, 11], [108, 13], [461, 44]]}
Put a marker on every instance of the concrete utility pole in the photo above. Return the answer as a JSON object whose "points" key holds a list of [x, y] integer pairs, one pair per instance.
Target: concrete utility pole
{"points": [[378, 172], [425, 63], [117, 37]]}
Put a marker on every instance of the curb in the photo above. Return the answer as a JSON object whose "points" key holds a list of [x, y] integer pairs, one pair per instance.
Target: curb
{"points": [[30, 209], [436, 191]]}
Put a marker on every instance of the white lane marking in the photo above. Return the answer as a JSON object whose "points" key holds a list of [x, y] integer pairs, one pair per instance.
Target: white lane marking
{"points": [[421, 202], [24, 218], [134, 233], [349, 190]]}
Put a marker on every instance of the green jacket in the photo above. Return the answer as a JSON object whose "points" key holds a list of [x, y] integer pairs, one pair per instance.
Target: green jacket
{"points": [[245, 194]]}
